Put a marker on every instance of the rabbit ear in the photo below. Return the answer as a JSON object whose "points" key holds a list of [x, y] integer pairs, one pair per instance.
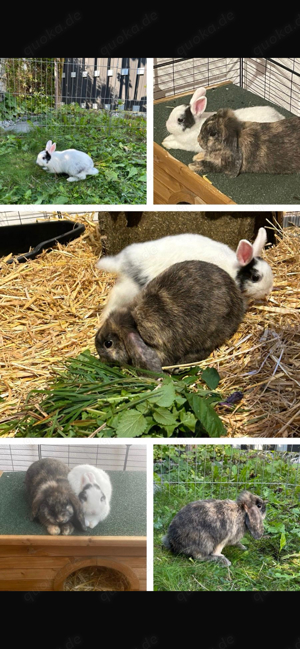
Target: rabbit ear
{"points": [[140, 354], [78, 512], [260, 242], [253, 520], [36, 505], [254, 514], [229, 127], [198, 102], [244, 252], [87, 478], [50, 147]]}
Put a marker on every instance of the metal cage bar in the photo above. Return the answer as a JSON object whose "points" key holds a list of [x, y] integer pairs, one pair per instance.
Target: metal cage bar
{"points": [[113, 457], [276, 80]]}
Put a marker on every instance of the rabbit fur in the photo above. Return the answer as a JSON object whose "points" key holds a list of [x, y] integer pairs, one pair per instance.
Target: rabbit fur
{"points": [[233, 147], [93, 488], [52, 500], [139, 263], [185, 122], [77, 164], [203, 528], [181, 316]]}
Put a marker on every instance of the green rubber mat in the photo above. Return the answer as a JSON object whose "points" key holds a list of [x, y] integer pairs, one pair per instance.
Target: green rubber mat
{"points": [[246, 188], [127, 515]]}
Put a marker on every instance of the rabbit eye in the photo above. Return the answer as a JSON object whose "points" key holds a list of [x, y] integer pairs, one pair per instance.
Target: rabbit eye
{"points": [[213, 132], [108, 343], [259, 505], [180, 120], [255, 278]]}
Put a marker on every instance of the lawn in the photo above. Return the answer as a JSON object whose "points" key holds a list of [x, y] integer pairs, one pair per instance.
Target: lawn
{"points": [[271, 563], [117, 145]]}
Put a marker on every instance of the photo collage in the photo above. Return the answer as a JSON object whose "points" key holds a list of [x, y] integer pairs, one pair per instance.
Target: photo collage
{"points": [[149, 324]]}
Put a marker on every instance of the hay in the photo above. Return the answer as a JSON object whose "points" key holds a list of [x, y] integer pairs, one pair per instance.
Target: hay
{"points": [[50, 310], [96, 578], [263, 359], [51, 306]]}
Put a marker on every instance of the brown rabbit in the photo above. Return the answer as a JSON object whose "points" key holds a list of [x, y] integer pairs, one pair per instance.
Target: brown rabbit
{"points": [[233, 147], [181, 316], [52, 499], [203, 528]]}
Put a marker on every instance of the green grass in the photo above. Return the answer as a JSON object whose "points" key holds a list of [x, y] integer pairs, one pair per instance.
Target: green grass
{"points": [[271, 563], [117, 147]]}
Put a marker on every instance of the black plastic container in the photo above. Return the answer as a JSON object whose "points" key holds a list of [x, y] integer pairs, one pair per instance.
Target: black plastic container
{"points": [[18, 239]]}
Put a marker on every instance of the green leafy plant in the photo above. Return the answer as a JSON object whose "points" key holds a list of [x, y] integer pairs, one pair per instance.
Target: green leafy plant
{"points": [[94, 398]]}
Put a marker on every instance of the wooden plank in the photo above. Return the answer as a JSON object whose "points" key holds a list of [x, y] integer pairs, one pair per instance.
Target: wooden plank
{"points": [[30, 585], [8, 575], [24, 562], [189, 181], [71, 541], [185, 94], [62, 551]]}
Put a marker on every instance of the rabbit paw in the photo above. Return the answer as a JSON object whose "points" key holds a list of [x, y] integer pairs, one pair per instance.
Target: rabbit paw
{"points": [[53, 529], [67, 528], [199, 156]]}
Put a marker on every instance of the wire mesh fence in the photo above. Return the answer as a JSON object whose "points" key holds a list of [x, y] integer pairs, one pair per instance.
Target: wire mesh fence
{"points": [[212, 471], [275, 79], [120, 457], [69, 91]]}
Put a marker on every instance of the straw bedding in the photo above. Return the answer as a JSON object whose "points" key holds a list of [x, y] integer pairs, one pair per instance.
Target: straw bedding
{"points": [[96, 578], [51, 306]]}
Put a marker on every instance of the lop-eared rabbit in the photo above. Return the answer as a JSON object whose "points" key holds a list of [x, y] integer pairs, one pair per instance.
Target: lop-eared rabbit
{"points": [[203, 528], [181, 316], [52, 499], [233, 147], [185, 121]]}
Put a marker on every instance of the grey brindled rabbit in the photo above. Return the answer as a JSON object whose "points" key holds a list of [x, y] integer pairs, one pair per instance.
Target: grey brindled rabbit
{"points": [[232, 146], [52, 499], [181, 316], [203, 528]]}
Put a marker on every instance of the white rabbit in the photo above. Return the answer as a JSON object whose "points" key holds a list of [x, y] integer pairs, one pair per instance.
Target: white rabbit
{"points": [[93, 488], [185, 121], [76, 164], [139, 263]]}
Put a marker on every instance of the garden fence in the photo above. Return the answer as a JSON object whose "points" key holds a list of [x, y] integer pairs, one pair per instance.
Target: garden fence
{"points": [[224, 471], [41, 90]]}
